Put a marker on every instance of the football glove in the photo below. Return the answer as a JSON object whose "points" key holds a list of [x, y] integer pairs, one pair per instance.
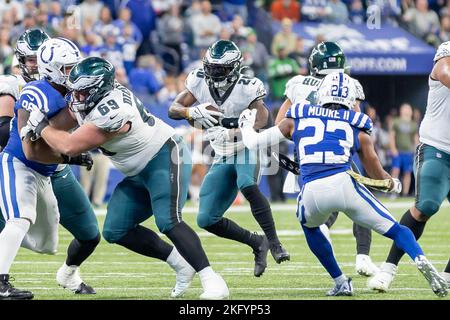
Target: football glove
{"points": [[396, 186], [204, 116], [217, 135], [84, 160], [286, 163], [247, 118], [36, 122]]}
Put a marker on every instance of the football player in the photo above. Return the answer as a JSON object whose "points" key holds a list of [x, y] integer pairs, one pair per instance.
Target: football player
{"points": [[155, 161], [20, 204], [221, 85], [432, 165], [327, 135], [327, 57]]}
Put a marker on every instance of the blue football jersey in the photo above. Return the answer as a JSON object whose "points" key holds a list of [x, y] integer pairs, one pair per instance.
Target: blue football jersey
{"points": [[50, 101], [325, 139]]}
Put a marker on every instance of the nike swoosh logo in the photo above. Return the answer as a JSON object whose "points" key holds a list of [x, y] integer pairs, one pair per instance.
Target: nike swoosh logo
{"points": [[254, 82], [31, 98], [112, 117], [65, 176]]}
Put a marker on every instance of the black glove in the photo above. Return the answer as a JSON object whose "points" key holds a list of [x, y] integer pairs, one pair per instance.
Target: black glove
{"points": [[286, 163], [83, 159]]}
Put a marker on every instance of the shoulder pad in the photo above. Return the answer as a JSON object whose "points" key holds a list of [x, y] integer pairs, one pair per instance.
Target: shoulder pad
{"points": [[290, 85], [361, 121], [110, 114], [359, 90], [10, 85], [256, 88], [442, 51], [33, 95], [194, 79]]}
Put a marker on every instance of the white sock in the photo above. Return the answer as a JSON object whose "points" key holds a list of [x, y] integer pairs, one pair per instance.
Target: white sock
{"points": [[173, 258], [340, 280], [194, 192], [10, 239], [206, 273]]}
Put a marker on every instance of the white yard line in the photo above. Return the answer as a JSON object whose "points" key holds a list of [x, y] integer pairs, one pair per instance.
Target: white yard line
{"points": [[151, 289]]}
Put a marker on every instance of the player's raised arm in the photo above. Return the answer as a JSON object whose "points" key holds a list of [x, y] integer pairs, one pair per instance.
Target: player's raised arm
{"points": [[271, 136], [282, 112]]}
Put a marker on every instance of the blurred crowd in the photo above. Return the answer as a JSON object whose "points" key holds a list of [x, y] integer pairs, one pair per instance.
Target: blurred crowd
{"points": [[154, 44]]}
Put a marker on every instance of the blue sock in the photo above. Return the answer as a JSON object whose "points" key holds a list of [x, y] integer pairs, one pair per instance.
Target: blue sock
{"points": [[322, 249], [404, 239]]}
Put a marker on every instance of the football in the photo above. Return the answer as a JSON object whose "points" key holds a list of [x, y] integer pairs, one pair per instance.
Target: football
{"points": [[199, 125]]}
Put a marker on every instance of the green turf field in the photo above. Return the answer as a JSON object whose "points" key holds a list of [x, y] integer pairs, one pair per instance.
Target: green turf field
{"points": [[117, 273]]}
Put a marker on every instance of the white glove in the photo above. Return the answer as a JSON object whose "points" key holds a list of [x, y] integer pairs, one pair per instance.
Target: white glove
{"points": [[35, 124], [397, 188], [26, 132], [217, 134], [247, 118], [205, 117]]}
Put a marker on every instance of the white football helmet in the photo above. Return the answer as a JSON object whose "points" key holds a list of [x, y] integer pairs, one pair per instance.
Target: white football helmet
{"points": [[56, 57], [337, 88]]}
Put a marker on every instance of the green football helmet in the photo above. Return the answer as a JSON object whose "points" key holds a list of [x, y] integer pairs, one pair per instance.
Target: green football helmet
{"points": [[90, 80], [326, 57], [26, 47], [222, 64]]}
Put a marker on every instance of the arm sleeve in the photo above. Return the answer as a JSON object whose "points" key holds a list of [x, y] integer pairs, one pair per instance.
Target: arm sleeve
{"points": [[266, 138], [4, 131]]}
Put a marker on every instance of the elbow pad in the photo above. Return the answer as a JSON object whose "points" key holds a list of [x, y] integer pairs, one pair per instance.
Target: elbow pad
{"points": [[4, 131]]}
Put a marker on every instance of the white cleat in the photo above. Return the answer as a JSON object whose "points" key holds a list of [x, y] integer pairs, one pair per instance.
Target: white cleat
{"points": [[68, 277], [214, 288], [446, 276], [364, 266], [383, 279], [437, 283], [185, 274]]}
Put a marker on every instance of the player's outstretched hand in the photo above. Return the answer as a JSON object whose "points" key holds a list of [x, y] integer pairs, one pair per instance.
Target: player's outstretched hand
{"points": [[84, 160], [204, 116], [396, 186], [247, 118]]}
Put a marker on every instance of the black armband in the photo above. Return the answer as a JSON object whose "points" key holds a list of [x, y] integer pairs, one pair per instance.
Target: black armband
{"points": [[229, 123], [4, 131]]}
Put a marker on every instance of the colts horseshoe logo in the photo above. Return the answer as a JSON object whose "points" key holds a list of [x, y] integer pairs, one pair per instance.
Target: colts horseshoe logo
{"points": [[51, 54]]}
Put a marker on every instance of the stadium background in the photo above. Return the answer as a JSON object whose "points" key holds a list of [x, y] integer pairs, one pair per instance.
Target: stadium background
{"points": [[154, 44]]}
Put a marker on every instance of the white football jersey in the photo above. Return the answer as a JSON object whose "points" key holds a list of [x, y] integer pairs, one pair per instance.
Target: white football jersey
{"points": [[129, 152], [231, 104], [434, 127], [11, 85], [301, 88]]}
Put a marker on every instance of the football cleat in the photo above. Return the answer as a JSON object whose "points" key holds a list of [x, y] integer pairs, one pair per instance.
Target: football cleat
{"points": [[437, 283], [68, 277], [344, 289], [214, 288], [446, 276], [185, 274], [8, 292], [383, 279], [261, 257], [364, 266], [279, 253]]}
